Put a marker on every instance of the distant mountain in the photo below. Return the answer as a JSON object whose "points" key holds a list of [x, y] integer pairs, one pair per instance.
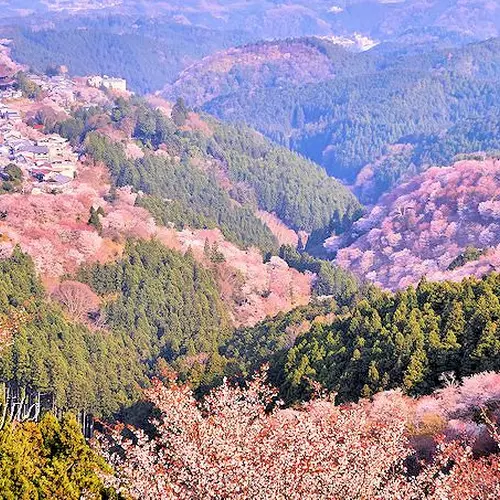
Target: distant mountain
{"points": [[264, 65], [379, 19], [151, 42], [147, 52], [347, 110]]}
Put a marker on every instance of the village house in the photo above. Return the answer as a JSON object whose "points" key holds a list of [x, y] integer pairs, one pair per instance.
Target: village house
{"points": [[34, 153], [11, 94], [64, 167], [9, 114], [7, 81], [56, 144], [9, 134]]}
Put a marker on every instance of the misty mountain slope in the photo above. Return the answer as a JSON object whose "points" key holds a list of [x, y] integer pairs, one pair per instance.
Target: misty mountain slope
{"points": [[438, 103], [160, 39], [261, 65], [148, 53], [378, 19]]}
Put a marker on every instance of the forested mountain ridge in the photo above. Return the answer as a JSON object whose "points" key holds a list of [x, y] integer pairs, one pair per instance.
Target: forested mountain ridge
{"points": [[219, 174], [390, 109], [278, 19], [118, 46], [405, 340], [161, 39], [257, 66], [146, 286]]}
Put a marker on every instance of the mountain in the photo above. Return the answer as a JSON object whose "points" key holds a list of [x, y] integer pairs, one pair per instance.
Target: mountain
{"points": [[392, 109], [377, 19], [93, 273], [193, 308], [160, 39], [148, 52], [258, 66], [423, 226], [215, 174]]}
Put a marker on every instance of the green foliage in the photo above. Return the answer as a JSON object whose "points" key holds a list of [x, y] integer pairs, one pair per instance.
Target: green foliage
{"points": [[212, 253], [404, 340], [158, 304], [29, 88], [470, 254], [331, 280], [86, 370], [247, 349], [18, 283], [298, 191], [433, 101], [175, 213], [13, 179], [94, 219], [83, 121], [49, 460], [164, 302], [179, 112], [147, 52], [153, 128], [14, 172]]}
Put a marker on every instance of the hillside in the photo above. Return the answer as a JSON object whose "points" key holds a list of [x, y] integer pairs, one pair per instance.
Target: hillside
{"points": [[274, 19], [433, 104], [151, 42], [118, 46], [421, 227], [262, 264], [257, 66], [139, 169], [413, 340], [202, 173]]}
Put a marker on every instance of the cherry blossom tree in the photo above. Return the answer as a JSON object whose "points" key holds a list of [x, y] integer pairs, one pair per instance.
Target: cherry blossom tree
{"points": [[77, 298], [241, 443]]}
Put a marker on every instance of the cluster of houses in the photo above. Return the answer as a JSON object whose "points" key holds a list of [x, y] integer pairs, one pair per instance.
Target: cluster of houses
{"points": [[8, 89], [48, 162], [60, 88]]}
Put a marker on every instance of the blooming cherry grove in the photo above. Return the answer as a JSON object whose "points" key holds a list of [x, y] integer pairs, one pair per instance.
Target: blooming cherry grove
{"points": [[241, 443]]}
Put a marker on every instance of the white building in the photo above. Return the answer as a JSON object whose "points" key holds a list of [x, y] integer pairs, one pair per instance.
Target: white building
{"points": [[107, 82]]}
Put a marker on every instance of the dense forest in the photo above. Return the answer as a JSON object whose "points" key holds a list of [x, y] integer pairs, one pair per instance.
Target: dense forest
{"points": [[179, 191], [407, 340], [99, 364], [166, 304], [300, 193], [120, 46], [51, 459], [83, 369], [159, 308], [440, 103]]}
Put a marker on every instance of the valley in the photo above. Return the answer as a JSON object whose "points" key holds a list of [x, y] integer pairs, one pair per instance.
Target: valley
{"points": [[249, 249]]}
